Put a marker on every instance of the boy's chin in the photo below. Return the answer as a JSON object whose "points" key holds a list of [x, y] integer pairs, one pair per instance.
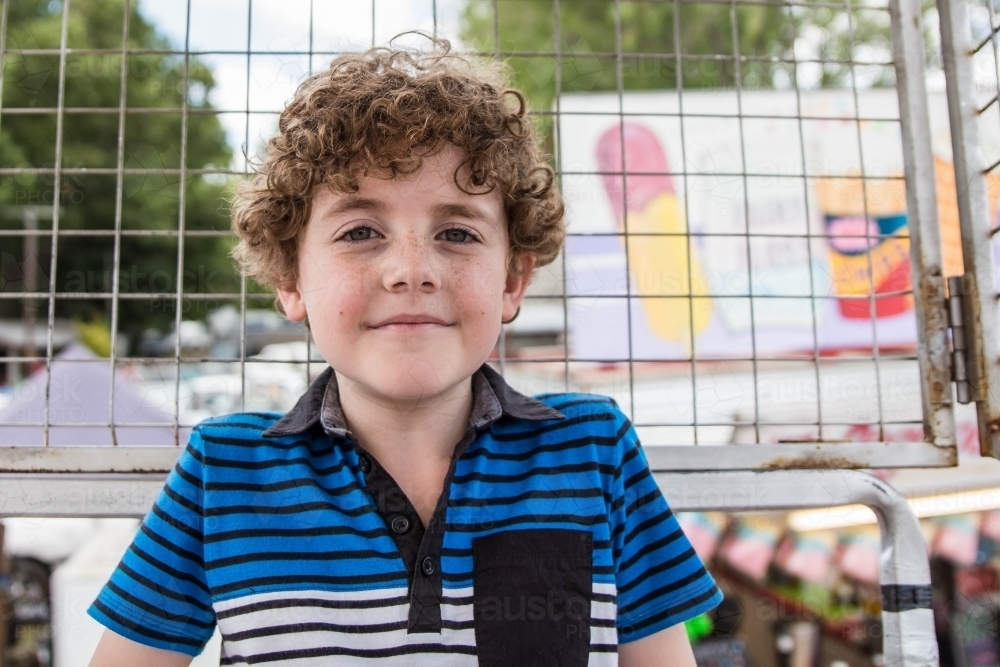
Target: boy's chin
{"points": [[418, 373]]}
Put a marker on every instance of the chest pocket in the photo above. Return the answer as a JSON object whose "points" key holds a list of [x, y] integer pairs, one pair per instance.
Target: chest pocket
{"points": [[531, 597]]}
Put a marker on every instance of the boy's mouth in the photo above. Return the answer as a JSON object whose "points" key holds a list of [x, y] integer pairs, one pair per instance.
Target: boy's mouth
{"points": [[403, 322], [414, 327]]}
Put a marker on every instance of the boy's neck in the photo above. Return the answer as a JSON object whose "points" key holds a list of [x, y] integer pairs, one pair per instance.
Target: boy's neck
{"points": [[414, 444], [388, 429]]}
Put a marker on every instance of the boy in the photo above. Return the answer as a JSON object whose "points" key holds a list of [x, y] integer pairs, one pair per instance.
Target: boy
{"points": [[412, 507]]}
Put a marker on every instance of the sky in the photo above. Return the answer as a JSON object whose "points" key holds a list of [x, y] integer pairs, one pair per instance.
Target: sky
{"points": [[283, 25]]}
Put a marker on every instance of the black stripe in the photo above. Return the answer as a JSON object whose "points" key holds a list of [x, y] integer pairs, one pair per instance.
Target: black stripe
{"points": [[156, 610], [576, 401], [457, 602], [488, 501], [651, 546], [162, 589], [176, 523], [639, 476], [288, 509], [187, 477], [282, 486], [357, 653], [263, 443], [294, 532], [531, 519], [163, 567], [183, 553], [648, 523], [534, 472], [294, 628], [668, 612], [181, 500], [563, 446], [285, 603], [273, 463], [326, 556], [659, 592], [315, 579], [604, 648], [142, 630], [631, 453], [904, 597], [528, 434], [603, 597], [658, 568]]}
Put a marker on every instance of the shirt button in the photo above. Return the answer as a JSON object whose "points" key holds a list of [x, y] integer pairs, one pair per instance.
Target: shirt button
{"points": [[364, 463], [400, 524], [427, 566]]}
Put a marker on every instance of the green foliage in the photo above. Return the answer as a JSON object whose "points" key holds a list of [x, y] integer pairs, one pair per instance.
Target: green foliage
{"points": [[705, 37], [152, 140]]}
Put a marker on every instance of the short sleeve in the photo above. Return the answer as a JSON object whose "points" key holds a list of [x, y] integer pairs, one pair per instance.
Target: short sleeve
{"points": [[661, 581], [158, 595]]}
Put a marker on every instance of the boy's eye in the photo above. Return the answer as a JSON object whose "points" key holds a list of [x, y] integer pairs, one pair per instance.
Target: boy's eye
{"points": [[353, 237], [459, 231], [361, 233]]}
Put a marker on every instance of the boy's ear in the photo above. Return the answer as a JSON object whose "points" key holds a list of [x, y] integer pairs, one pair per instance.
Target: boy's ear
{"points": [[292, 303], [517, 285]]}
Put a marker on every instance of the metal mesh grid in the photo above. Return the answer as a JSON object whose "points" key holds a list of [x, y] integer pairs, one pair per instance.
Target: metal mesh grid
{"points": [[758, 393]]}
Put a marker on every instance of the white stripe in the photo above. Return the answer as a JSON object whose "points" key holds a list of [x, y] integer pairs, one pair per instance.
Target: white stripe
{"points": [[300, 641], [603, 660], [377, 594], [418, 660], [605, 589], [601, 635], [605, 610], [298, 614]]}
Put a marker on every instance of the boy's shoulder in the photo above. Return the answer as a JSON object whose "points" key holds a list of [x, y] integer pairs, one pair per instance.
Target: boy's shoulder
{"points": [[586, 412], [579, 403], [241, 425]]}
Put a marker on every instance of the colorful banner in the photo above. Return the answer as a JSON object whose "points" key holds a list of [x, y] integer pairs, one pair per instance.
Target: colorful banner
{"points": [[767, 236]]}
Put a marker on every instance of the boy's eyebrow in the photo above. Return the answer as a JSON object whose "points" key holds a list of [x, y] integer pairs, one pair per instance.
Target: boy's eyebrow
{"points": [[357, 204], [464, 211], [439, 211]]}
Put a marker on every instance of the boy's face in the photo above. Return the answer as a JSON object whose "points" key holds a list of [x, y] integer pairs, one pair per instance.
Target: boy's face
{"points": [[420, 247]]}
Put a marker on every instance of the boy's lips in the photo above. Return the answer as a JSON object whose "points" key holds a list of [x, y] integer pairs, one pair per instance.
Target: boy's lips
{"points": [[404, 327], [410, 320]]}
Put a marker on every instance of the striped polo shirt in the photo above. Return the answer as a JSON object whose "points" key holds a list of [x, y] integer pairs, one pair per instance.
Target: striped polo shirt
{"points": [[550, 543]]}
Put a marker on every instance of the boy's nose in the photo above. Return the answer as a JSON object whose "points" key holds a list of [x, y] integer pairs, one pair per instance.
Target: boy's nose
{"points": [[412, 264]]}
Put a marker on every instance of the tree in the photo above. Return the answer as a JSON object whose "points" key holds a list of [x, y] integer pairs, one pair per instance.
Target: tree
{"points": [[150, 202], [766, 36]]}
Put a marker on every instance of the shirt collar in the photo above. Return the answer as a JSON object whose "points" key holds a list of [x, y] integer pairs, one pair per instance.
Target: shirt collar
{"points": [[491, 398]]}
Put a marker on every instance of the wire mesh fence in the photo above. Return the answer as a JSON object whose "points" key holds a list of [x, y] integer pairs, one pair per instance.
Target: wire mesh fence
{"points": [[757, 236]]}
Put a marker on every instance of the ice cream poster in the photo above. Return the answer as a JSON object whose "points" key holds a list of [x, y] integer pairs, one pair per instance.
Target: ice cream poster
{"points": [[764, 239]]}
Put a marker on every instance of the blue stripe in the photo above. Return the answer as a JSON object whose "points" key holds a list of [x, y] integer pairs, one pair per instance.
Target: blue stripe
{"points": [[241, 514]]}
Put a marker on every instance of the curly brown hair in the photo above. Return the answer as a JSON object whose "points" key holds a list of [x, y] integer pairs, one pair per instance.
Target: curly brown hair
{"points": [[374, 113]]}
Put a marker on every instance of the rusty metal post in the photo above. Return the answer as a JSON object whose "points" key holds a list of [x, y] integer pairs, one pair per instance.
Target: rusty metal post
{"points": [[979, 282], [933, 349]]}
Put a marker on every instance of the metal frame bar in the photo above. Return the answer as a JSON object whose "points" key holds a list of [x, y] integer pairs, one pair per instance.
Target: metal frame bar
{"points": [[979, 282], [939, 448], [840, 455], [904, 572], [908, 637], [933, 347]]}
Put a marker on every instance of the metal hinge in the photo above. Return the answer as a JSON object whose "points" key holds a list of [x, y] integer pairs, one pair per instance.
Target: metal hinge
{"points": [[959, 348]]}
